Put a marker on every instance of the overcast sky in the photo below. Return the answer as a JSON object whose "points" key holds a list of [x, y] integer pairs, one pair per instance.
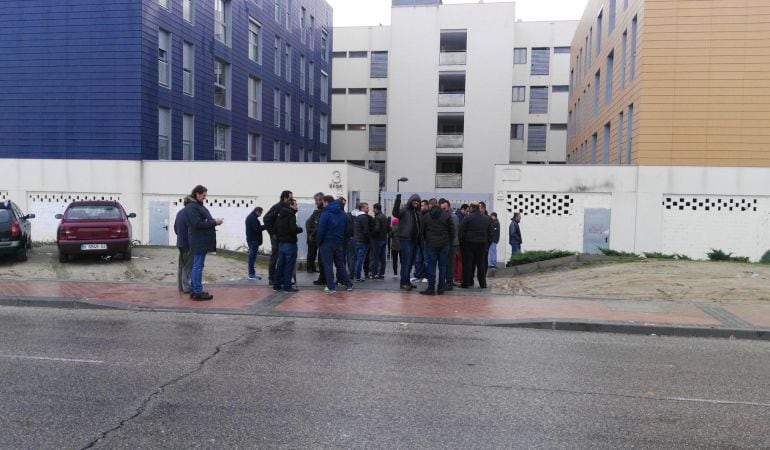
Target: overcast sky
{"points": [[375, 12]]}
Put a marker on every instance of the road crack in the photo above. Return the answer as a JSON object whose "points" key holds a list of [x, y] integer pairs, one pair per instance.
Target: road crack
{"points": [[157, 393]]}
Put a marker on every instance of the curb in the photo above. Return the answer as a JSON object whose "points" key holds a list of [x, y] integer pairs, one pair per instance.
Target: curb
{"points": [[523, 269]]}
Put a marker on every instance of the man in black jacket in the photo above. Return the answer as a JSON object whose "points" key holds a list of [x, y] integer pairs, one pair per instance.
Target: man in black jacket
{"points": [[269, 221], [362, 237], [475, 236], [254, 231], [492, 252], [438, 230], [408, 234], [379, 242], [203, 238], [311, 225], [286, 231]]}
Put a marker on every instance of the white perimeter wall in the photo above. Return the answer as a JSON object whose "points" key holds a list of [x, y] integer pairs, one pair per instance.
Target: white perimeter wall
{"points": [[687, 210]]}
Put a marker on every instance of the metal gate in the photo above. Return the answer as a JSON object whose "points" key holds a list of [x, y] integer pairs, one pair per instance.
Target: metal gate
{"points": [[158, 223], [596, 230]]}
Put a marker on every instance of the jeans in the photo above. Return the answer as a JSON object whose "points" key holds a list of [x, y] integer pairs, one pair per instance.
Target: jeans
{"points": [[196, 279], [492, 258], [515, 248], [253, 250], [433, 256], [273, 257], [287, 257], [333, 256], [361, 249], [184, 270], [407, 260], [312, 254], [350, 255], [450, 266], [419, 261], [378, 257]]}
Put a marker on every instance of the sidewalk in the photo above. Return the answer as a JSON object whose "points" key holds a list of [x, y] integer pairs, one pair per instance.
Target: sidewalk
{"points": [[380, 300]]}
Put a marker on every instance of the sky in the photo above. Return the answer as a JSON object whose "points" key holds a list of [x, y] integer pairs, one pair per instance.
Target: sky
{"points": [[375, 12]]}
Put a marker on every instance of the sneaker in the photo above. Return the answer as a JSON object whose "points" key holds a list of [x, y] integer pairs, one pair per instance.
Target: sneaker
{"points": [[276, 289], [395, 276], [360, 280], [413, 279], [290, 291], [202, 296], [329, 291], [427, 292], [349, 288], [424, 280], [406, 287], [255, 277]]}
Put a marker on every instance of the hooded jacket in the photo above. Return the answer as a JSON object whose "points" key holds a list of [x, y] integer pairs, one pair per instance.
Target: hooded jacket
{"points": [[476, 228], [333, 226], [254, 228], [200, 228], [286, 228], [180, 228], [409, 219], [437, 228], [514, 233]]}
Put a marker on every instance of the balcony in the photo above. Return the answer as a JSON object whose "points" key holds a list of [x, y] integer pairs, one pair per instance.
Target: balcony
{"points": [[452, 58], [453, 47], [454, 140], [449, 181], [453, 99]]}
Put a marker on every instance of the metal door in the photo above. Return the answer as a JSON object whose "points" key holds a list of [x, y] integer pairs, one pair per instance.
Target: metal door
{"points": [[596, 230], [159, 223]]}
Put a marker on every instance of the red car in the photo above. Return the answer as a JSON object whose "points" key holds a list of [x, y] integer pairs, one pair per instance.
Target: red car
{"points": [[94, 228]]}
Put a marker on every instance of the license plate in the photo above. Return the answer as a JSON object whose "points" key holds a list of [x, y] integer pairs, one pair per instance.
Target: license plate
{"points": [[93, 247]]}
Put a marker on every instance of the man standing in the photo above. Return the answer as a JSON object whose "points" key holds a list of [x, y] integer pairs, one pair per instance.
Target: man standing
{"points": [[408, 234], [286, 231], [362, 236], [202, 232], [461, 214], [254, 240], [514, 234], [332, 229], [453, 247], [379, 243], [270, 219], [310, 227], [184, 266], [492, 258], [438, 230], [475, 237]]}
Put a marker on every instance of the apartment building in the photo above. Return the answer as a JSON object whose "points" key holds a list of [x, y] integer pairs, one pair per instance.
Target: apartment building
{"points": [[671, 83], [448, 91], [166, 80]]}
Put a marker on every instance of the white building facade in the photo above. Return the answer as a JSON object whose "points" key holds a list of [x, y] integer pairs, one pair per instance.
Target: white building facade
{"points": [[448, 91]]}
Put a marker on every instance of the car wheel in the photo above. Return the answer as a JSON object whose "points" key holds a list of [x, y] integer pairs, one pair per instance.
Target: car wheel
{"points": [[127, 255], [21, 256], [63, 257]]}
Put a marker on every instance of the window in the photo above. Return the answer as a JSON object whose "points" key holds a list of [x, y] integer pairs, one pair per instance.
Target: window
{"points": [[255, 98], [358, 54], [379, 65], [222, 21], [606, 144], [623, 61], [277, 10], [255, 147], [519, 94], [323, 157], [302, 154], [188, 64], [338, 91], [630, 133], [165, 3], [590, 45], [277, 56], [597, 91], [517, 131], [324, 87], [611, 24], [536, 138], [287, 112], [276, 150], [610, 75], [594, 141], [221, 142], [357, 91], [558, 127], [377, 138], [310, 115], [311, 78], [288, 63], [561, 50], [302, 119], [188, 10], [538, 100], [540, 61], [356, 127], [324, 129], [221, 83], [164, 58], [302, 72], [164, 133], [339, 54], [286, 152], [277, 108], [302, 24], [188, 137], [599, 27], [620, 138], [378, 101], [324, 46], [560, 88], [633, 50], [255, 41], [519, 55], [287, 15], [625, 5], [310, 39], [338, 127]]}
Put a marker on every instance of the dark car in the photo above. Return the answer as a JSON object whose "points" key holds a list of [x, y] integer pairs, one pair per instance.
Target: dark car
{"points": [[94, 228], [15, 231]]}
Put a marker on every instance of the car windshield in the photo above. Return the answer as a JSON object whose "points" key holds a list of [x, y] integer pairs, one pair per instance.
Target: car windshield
{"points": [[5, 216], [93, 212]]}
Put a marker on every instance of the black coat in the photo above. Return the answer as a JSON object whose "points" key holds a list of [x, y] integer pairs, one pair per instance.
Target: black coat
{"points": [[495, 231], [381, 227], [200, 228], [476, 228], [362, 228], [286, 228], [254, 228], [311, 225], [437, 228], [409, 219]]}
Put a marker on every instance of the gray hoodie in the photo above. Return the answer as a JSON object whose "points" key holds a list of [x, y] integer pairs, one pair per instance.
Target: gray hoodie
{"points": [[409, 219]]}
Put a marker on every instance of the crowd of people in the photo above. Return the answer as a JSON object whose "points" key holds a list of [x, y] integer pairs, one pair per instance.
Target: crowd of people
{"points": [[433, 243]]}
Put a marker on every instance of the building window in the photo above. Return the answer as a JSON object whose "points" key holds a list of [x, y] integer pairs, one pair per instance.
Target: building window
{"points": [[311, 78], [302, 154], [287, 112], [561, 50], [357, 91], [606, 144], [324, 87], [633, 49], [338, 91], [221, 142], [286, 152], [277, 108], [625, 5], [188, 65], [222, 21], [611, 24], [560, 88], [620, 138], [188, 10], [338, 127], [324, 129], [558, 127], [324, 46], [519, 55], [255, 98], [302, 24], [378, 138], [188, 137], [302, 119], [255, 147], [541, 61], [630, 133], [517, 131], [538, 100], [610, 76], [288, 63], [276, 150], [310, 36], [165, 4], [323, 157], [360, 54], [594, 148], [340, 55], [164, 58], [519, 94], [287, 15], [536, 138], [379, 65], [164, 133], [277, 56], [310, 128], [597, 91], [623, 60], [590, 45], [255, 41], [302, 72], [378, 101], [599, 29], [277, 10], [221, 83]]}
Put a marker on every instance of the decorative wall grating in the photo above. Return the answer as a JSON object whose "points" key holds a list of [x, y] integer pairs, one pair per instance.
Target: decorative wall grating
{"points": [[224, 202], [711, 203], [4, 196], [540, 204], [67, 197]]}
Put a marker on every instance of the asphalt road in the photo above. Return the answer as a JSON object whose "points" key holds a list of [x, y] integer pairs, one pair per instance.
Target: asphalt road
{"points": [[118, 379]]}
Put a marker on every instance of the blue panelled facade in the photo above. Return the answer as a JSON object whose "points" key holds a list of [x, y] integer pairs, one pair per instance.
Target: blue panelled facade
{"points": [[82, 79]]}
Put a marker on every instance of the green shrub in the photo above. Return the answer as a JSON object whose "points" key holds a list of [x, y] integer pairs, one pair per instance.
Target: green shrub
{"points": [[673, 256], [719, 255], [609, 252], [536, 256], [765, 258]]}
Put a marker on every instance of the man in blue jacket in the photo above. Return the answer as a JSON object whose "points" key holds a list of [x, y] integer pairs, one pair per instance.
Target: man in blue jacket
{"points": [[184, 266], [254, 239], [331, 234], [202, 231]]}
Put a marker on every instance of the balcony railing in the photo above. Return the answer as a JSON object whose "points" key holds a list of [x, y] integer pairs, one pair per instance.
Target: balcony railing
{"points": [[449, 180], [450, 140], [452, 58], [451, 99]]}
